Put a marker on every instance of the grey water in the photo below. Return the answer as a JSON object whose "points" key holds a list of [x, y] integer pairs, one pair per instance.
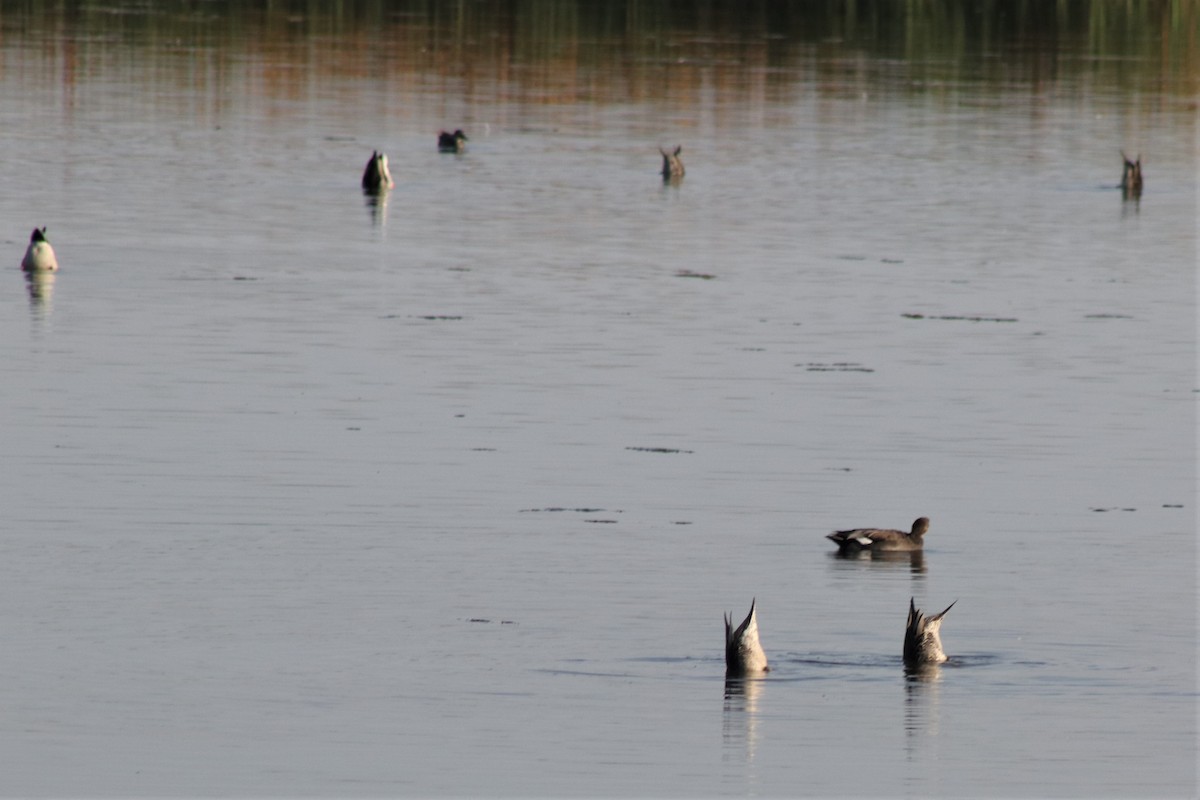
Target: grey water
{"points": [[446, 493]]}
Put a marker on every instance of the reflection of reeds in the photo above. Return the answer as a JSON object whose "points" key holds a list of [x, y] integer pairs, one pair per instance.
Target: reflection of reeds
{"points": [[556, 51]]}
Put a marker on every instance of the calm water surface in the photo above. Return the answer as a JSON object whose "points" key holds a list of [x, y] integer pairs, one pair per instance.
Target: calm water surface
{"points": [[305, 495]]}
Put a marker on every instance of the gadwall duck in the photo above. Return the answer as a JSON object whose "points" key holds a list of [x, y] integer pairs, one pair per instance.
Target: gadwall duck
{"points": [[452, 142], [1131, 177], [672, 164], [39, 256], [922, 637], [881, 539], [743, 652], [376, 177]]}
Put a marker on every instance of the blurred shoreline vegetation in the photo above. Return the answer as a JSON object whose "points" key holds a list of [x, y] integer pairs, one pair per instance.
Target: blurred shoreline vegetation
{"points": [[565, 48]]}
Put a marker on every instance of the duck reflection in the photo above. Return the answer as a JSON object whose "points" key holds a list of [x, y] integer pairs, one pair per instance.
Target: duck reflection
{"points": [[921, 718], [914, 560], [740, 719], [742, 695], [41, 291], [377, 207]]}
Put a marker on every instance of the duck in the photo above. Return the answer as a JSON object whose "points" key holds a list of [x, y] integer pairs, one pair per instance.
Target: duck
{"points": [[922, 637], [881, 539], [1131, 177], [743, 652], [376, 176], [452, 142], [39, 256], [672, 164]]}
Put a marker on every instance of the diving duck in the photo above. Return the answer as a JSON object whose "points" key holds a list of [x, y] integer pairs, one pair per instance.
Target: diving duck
{"points": [[743, 652], [1131, 177], [39, 256], [672, 164], [922, 637], [376, 177], [881, 539], [452, 142]]}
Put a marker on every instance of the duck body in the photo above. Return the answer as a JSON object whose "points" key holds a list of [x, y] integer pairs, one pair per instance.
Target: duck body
{"points": [[744, 654], [922, 637], [672, 164], [452, 142], [881, 539], [376, 175], [1131, 176], [39, 256]]}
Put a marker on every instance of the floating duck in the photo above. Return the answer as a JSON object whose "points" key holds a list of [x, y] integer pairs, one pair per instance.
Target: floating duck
{"points": [[452, 142], [376, 177], [39, 256], [922, 637], [672, 165], [881, 539], [743, 652]]}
